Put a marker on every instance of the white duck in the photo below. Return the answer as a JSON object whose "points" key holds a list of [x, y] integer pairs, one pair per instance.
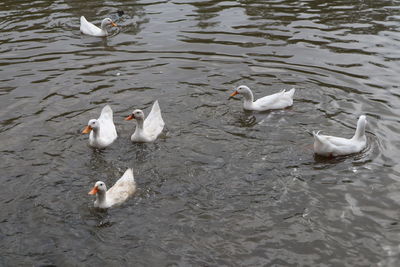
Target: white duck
{"points": [[90, 29], [331, 146], [102, 131], [118, 193], [147, 130], [279, 100]]}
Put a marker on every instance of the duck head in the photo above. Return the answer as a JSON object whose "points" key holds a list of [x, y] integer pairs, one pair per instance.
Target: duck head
{"points": [[243, 90], [99, 188], [136, 114], [92, 125], [361, 124], [106, 22]]}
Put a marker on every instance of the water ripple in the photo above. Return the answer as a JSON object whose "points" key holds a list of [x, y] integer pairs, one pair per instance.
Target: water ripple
{"points": [[221, 186]]}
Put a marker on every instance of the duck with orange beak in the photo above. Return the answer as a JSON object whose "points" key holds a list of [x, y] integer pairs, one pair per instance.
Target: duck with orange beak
{"points": [[91, 29], [102, 132], [332, 146], [147, 130], [117, 194], [279, 100]]}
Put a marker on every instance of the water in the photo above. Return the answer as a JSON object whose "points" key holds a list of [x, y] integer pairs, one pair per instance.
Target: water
{"points": [[221, 187]]}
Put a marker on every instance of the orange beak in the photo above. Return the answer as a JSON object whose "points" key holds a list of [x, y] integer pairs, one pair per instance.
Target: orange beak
{"points": [[113, 24], [94, 191], [87, 130], [234, 93], [130, 117]]}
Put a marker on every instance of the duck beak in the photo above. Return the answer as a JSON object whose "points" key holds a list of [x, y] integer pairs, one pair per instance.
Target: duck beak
{"points": [[94, 191], [234, 93], [114, 24], [130, 117], [87, 130]]}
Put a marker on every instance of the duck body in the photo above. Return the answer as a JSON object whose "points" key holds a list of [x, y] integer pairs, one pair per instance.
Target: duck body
{"points": [[279, 100], [117, 194], [90, 29], [332, 146], [147, 130], [102, 131]]}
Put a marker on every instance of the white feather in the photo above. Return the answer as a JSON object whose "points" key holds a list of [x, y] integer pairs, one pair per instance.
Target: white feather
{"points": [[118, 193], [90, 29], [279, 100], [326, 145], [106, 134], [152, 126]]}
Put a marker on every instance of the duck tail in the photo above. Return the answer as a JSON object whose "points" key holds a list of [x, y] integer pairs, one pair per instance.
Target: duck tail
{"points": [[107, 111], [156, 106], [129, 174], [316, 136], [290, 93]]}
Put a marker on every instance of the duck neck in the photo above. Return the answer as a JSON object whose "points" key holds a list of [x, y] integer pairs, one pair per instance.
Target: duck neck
{"points": [[248, 99], [104, 28], [139, 124], [96, 132], [100, 197], [360, 131]]}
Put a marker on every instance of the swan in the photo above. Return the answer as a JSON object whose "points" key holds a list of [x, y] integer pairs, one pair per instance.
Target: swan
{"points": [[147, 130], [90, 29], [102, 131], [118, 193], [331, 146], [279, 100]]}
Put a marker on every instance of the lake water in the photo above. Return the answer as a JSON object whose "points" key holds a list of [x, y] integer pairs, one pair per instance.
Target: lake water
{"points": [[221, 187]]}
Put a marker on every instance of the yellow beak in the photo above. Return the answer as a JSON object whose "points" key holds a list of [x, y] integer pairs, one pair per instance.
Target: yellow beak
{"points": [[130, 117], [234, 93], [87, 130], [94, 191]]}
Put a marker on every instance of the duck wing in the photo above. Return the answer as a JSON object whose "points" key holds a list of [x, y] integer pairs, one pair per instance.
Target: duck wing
{"points": [[154, 123], [89, 28], [122, 189], [276, 101], [335, 141], [331, 145], [107, 123]]}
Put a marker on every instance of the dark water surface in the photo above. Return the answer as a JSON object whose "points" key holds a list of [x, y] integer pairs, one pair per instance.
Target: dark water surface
{"points": [[219, 188]]}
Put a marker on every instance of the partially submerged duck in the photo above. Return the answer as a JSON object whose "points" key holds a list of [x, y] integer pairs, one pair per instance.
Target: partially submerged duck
{"points": [[102, 131], [147, 130], [279, 100], [91, 29], [332, 146], [117, 194]]}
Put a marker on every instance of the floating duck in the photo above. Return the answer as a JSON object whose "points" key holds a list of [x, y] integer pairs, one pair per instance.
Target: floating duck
{"points": [[279, 100], [102, 131], [117, 194], [91, 29], [331, 146], [147, 130]]}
